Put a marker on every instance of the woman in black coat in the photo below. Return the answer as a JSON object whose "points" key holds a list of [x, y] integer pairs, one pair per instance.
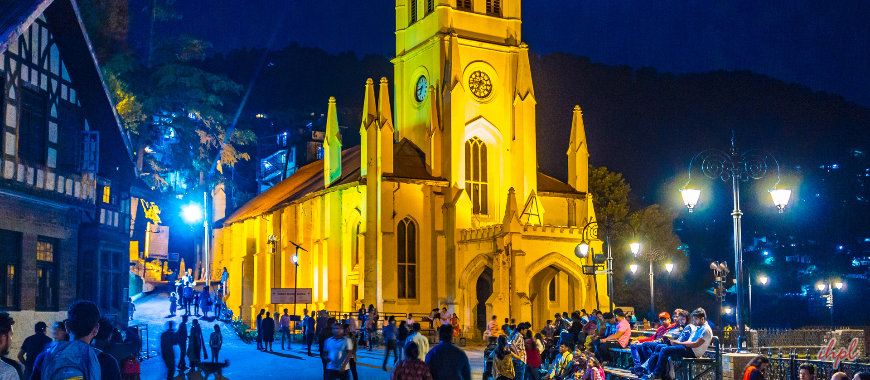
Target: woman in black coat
{"points": [[196, 345]]}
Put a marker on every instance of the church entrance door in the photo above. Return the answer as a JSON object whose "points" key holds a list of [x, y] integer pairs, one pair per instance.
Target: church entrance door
{"points": [[484, 290]]}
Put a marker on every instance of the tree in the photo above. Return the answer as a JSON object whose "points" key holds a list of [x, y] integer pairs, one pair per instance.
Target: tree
{"points": [[167, 95], [609, 194]]}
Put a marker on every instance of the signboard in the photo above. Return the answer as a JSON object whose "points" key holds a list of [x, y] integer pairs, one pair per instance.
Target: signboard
{"points": [[291, 295], [158, 242]]}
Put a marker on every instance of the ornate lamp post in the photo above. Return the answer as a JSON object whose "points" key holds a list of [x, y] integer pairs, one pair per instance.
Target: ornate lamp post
{"points": [[829, 298], [668, 267], [583, 249], [737, 167]]}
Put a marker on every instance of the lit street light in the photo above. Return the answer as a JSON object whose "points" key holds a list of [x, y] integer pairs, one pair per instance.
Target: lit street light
{"points": [[669, 267], [763, 280], [829, 298], [737, 167], [633, 268], [728, 311], [192, 214], [583, 249]]}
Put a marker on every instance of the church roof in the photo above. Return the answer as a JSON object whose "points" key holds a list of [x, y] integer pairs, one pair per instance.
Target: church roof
{"points": [[409, 162], [547, 184]]}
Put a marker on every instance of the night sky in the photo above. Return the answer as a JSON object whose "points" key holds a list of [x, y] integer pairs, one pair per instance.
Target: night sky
{"points": [[823, 45]]}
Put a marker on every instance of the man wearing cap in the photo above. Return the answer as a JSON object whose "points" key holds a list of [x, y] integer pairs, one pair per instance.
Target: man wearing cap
{"points": [[32, 347], [639, 351]]}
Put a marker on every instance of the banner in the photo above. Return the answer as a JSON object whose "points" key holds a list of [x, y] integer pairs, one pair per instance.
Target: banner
{"points": [[158, 244], [291, 295]]}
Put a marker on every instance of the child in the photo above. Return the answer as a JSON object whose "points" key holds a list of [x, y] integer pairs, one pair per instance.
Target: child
{"points": [[173, 298]]}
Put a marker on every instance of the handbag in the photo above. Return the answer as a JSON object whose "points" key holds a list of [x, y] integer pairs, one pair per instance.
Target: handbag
{"points": [[130, 366]]}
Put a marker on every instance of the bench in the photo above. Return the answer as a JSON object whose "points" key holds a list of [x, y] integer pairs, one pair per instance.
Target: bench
{"points": [[708, 367]]}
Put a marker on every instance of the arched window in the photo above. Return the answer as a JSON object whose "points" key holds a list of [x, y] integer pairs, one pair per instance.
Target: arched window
{"points": [[413, 11], [493, 7], [356, 248], [464, 5], [407, 258], [475, 174]]}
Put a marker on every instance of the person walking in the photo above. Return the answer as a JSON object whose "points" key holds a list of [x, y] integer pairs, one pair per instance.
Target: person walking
{"points": [[32, 347], [411, 368], [215, 341], [268, 325], [517, 345], [181, 337], [71, 359], [195, 303], [338, 350], [421, 342], [188, 298], [390, 342], [446, 361], [173, 305], [308, 331], [402, 338], [260, 329], [131, 308], [350, 334], [502, 360], [285, 329], [205, 301], [167, 351], [325, 332], [196, 346], [455, 323]]}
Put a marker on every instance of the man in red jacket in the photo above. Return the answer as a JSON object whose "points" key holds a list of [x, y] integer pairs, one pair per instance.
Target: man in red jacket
{"points": [[639, 350]]}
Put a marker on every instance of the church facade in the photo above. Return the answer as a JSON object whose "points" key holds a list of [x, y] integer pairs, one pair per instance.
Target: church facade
{"points": [[442, 204]]}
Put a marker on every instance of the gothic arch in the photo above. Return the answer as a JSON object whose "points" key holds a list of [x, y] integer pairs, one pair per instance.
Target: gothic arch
{"points": [[474, 268], [558, 260], [486, 131]]}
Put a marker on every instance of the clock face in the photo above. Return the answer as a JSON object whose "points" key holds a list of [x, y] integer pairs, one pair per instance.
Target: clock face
{"points": [[479, 84], [422, 87]]}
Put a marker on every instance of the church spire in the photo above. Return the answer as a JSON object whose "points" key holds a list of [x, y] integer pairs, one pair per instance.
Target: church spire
{"points": [[578, 154], [524, 73], [433, 135], [369, 118], [453, 72], [385, 123], [331, 146]]}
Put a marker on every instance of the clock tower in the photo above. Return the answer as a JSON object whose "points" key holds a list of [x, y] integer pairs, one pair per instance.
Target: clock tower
{"points": [[464, 95]]}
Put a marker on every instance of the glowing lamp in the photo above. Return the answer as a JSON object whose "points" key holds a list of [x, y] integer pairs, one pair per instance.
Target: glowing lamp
{"points": [[635, 248], [295, 259], [821, 287], [191, 213], [780, 197], [728, 310], [690, 197], [582, 249], [763, 280], [669, 267], [838, 285], [633, 268]]}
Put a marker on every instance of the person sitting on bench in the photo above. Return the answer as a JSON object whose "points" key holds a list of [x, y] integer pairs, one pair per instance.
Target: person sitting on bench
{"points": [[619, 338], [643, 348], [695, 347]]}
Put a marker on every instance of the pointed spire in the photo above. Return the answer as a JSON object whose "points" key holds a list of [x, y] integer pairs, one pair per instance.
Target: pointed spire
{"points": [[453, 73], [385, 123], [578, 154], [511, 211], [331, 146], [524, 73], [533, 212], [433, 135], [370, 107]]}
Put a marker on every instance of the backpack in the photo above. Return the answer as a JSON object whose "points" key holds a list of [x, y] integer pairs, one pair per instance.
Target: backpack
{"points": [[60, 365]]}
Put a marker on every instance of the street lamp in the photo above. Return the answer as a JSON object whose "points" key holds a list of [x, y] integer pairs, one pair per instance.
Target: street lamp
{"points": [[728, 311], [633, 268], [829, 298], [193, 213], [583, 248], [763, 280], [737, 167], [669, 267]]}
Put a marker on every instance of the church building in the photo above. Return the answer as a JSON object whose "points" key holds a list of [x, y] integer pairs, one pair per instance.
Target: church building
{"points": [[442, 204]]}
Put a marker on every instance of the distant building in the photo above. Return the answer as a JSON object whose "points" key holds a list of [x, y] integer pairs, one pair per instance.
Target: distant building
{"points": [[283, 154], [66, 170]]}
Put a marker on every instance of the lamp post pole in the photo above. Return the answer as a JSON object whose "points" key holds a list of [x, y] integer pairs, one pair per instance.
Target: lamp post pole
{"points": [[296, 281], [737, 167], [583, 249], [652, 302]]}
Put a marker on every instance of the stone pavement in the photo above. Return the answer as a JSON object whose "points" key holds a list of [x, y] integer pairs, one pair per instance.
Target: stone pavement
{"points": [[246, 362]]}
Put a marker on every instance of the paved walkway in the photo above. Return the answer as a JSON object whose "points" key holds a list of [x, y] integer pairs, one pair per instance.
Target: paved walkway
{"points": [[246, 362]]}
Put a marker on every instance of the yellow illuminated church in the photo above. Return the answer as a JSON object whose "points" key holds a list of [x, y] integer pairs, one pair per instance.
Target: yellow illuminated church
{"points": [[442, 204]]}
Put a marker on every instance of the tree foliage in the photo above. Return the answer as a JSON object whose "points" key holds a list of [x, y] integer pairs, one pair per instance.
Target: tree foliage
{"points": [[176, 114], [609, 194]]}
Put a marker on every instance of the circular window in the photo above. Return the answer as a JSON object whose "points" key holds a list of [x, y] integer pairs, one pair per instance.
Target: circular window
{"points": [[421, 88], [479, 84]]}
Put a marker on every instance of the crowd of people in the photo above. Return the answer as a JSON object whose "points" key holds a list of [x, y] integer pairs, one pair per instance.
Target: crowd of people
{"points": [[187, 297], [85, 346]]}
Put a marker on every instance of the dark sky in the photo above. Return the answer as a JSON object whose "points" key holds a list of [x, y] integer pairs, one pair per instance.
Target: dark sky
{"points": [[822, 44]]}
